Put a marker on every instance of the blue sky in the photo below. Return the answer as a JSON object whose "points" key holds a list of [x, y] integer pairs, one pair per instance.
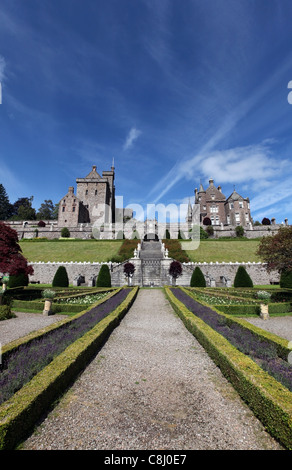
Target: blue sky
{"points": [[175, 91]]}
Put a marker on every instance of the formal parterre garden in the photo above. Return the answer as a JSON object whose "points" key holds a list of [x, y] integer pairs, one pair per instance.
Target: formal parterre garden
{"points": [[255, 361], [37, 368]]}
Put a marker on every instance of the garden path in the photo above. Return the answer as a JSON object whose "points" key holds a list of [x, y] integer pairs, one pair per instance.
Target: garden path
{"points": [[152, 386]]}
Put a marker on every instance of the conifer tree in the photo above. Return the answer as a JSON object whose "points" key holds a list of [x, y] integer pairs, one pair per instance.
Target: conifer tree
{"points": [[198, 278], [242, 278], [5, 206], [104, 277], [61, 278]]}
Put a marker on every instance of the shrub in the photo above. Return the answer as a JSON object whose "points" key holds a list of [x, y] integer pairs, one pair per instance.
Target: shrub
{"points": [[203, 234], [129, 269], [210, 230], [61, 278], [19, 280], [198, 279], [207, 221], [286, 279], [41, 223], [104, 277], [284, 296], [175, 269], [6, 313], [242, 278], [65, 232], [167, 234], [239, 230], [266, 221]]}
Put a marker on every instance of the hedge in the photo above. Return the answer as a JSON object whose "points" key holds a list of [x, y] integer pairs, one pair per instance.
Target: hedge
{"points": [[246, 310], [19, 414], [55, 308], [280, 343], [270, 401]]}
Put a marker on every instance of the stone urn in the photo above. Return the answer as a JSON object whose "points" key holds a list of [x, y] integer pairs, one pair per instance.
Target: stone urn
{"points": [[264, 313], [47, 308], [48, 295]]}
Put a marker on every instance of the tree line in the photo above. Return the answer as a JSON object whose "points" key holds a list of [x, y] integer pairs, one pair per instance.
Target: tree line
{"points": [[22, 209]]}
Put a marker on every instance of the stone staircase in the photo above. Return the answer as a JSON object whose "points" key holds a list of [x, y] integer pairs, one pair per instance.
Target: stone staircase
{"points": [[151, 256]]}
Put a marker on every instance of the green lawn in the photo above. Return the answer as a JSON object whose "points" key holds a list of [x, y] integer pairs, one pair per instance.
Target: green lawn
{"points": [[225, 251], [102, 250], [70, 250]]}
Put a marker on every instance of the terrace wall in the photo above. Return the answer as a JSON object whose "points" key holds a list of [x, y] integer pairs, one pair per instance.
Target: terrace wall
{"points": [[84, 231], [153, 275]]}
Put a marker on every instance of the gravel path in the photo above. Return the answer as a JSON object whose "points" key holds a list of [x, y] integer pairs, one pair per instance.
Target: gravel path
{"points": [[25, 323], [152, 386], [280, 326]]}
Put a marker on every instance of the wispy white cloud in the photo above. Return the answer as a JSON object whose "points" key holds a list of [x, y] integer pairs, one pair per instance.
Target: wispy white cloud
{"points": [[253, 164], [132, 136]]}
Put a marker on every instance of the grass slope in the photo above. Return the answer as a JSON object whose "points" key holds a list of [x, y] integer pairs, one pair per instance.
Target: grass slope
{"points": [[102, 250], [225, 251], [70, 250]]}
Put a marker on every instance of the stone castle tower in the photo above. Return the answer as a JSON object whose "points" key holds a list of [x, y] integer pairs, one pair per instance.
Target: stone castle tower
{"points": [[94, 200]]}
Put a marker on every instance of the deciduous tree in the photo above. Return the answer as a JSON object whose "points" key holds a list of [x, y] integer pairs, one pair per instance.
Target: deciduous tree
{"points": [[276, 250], [11, 259]]}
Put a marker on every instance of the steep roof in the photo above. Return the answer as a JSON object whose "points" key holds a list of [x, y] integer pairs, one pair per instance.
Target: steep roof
{"points": [[235, 197], [93, 174], [212, 190]]}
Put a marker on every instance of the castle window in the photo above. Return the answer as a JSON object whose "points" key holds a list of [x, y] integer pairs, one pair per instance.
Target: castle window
{"points": [[246, 217], [212, 197], [228, 219], [237, 217], [214, 209], [73, 209], [231, 205], [96, 192], [240, 204], [86, 192], [63, 209]]}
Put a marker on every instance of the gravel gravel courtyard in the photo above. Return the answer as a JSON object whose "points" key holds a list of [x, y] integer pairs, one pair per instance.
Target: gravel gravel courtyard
{"points": [[152, 386]]}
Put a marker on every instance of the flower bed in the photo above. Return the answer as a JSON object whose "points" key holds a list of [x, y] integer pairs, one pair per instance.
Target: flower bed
{"points": [[270, 401], [21, 364], [262, 351], [19, 414]]}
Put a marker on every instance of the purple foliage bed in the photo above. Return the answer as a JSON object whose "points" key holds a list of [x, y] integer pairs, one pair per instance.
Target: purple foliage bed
{"points": [[21, 365], [261, 351]]}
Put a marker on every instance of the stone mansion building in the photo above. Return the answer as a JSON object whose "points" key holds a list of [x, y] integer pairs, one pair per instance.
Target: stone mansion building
{"points": [[218, 210]]}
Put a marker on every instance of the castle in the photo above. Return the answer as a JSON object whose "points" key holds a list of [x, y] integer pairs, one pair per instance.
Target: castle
{"points": [[216, 210], [95, 202], [91, 212]]}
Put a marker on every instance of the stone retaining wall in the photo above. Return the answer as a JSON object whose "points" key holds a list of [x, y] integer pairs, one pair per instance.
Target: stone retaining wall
{"points": [[155, 275]]}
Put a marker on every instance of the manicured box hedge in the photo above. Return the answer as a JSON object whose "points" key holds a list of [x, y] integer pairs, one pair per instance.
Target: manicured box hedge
{"points": [[55, 308], [270, 401], [246, 310], [19, 414]]}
